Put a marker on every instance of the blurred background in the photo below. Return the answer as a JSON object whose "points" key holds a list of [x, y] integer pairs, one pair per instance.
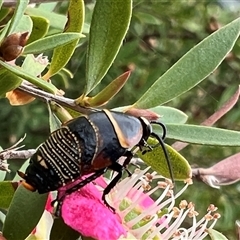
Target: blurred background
{"points": [[161, 32]]}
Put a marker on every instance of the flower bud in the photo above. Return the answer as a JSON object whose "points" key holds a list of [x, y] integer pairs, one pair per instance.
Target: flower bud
{"points": [[12, 46]]}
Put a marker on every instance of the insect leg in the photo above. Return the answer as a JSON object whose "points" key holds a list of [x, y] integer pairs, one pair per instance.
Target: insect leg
{"points": [[129, 156], [75, 188], [119, 169]]}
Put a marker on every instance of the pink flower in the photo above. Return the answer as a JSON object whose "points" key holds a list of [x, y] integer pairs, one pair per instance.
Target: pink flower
{"points": [[84, 211], [137, 216]]}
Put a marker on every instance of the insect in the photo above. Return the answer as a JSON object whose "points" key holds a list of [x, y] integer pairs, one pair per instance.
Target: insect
{"points": [[89, 144]]}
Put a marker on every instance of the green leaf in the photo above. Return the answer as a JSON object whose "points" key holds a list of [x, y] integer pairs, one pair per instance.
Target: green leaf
{"points": [[54, 122], [32, 79], [49, 6], [147, 18], [40, 28], [7, 191], [215, 235], [2, 176], [4, 12], [110, 22], [8, 82], [61, 231], [51, 42], [170, 115], [18, 14], [24, 25], [4, 31], [56, 21], [203, 135], [24, 213], [192, 68], [34, 65], [107, 93], [61, 114], [1, 2], [61, 55], [156, 159]]}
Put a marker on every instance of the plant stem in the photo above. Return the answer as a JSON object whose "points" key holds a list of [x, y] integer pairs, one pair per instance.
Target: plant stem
{"points": [[63, 101]]}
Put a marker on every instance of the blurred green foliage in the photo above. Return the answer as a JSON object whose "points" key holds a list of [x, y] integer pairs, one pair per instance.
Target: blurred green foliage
{"points": [[161, 32]]}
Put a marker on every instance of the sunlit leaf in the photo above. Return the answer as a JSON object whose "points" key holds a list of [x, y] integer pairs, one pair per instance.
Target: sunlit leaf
{"points": [[110, 22], [192, 68], [170, 115], [61, 55], [51, 42], [40, 28], [156, 159]]}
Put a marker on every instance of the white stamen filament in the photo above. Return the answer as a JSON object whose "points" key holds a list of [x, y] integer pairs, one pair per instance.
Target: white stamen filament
{"points": [[139, 232], [183, 234], [175, 225], [193, 228], [175, 197], [127, 184]]}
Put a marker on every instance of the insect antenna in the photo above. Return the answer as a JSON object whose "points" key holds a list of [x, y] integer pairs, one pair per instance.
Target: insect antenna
{"points": [[164, 129], [161, 142]]}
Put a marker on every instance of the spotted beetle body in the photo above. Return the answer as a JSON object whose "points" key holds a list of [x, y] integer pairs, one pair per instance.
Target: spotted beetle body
{"points": [[85, 145]]}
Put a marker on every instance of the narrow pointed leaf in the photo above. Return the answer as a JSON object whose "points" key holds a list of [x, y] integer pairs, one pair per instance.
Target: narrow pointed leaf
{"points": [[7, 191], [157, 161], [192, 68], [215, 235], [51, 42], [109, 91], [203, 135], [110, 22], [29, 77], [61, 55], [18, 14], [25, 205]]}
